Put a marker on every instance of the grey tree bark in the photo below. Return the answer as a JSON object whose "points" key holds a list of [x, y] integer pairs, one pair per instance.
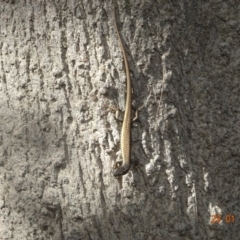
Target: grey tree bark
{"points": [[61, 70]]}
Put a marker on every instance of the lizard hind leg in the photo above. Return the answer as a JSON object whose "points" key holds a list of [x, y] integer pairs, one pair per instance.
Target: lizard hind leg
{"points": [[117, 113], [136, 113]]}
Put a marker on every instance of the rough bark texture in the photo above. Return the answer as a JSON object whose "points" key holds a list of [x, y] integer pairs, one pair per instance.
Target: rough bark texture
{"points": [[61, 69]]}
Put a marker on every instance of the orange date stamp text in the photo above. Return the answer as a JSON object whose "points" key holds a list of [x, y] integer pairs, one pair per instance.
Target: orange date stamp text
{"points": [[217, 218]]}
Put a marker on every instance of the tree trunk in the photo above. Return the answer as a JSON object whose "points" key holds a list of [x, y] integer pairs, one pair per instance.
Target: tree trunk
{"points": [[61, 70]]}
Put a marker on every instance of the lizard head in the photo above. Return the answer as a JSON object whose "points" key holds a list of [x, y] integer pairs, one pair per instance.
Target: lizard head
{"points": [[121, 170]]}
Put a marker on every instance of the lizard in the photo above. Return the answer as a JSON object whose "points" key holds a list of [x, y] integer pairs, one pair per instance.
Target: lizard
{"points": [[126, 125]]}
